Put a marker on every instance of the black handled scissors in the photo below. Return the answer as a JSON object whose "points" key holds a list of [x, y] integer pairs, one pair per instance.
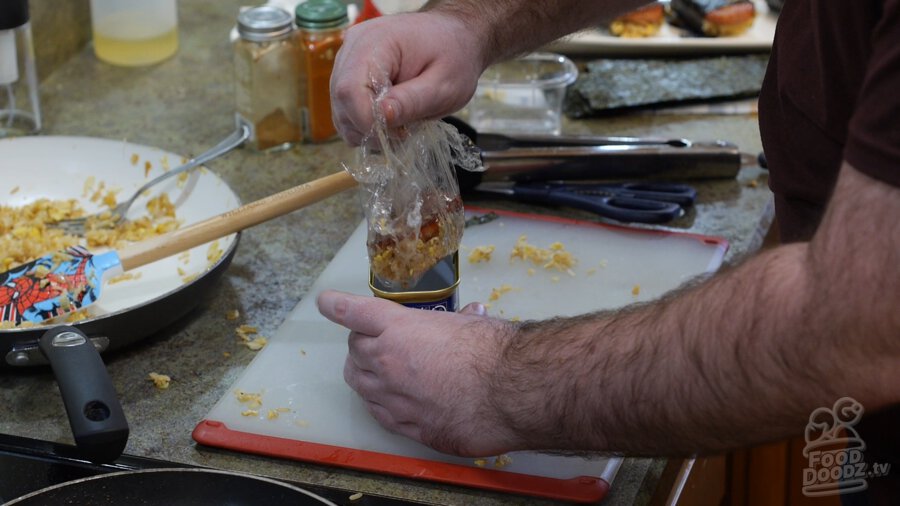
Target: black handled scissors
{"points": [[627, 202]]}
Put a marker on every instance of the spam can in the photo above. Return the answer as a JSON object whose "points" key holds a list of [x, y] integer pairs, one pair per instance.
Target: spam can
{"points": [[438, 290]]}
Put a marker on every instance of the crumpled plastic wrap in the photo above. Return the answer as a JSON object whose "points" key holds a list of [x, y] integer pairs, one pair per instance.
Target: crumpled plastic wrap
{"points": [[412, 203]]}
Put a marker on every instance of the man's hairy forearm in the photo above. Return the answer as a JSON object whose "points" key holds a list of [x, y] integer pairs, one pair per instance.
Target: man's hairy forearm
{"points": [[510, 27], [677, 376], [744, 357]]}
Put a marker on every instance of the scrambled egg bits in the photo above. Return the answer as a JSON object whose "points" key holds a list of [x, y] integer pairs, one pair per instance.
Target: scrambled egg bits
{"points": [[160, 381], [497, 292], [481, 254], [554, 257], [249, 337], [402, 249], [26, 233], [251, 399], [405, 258]]}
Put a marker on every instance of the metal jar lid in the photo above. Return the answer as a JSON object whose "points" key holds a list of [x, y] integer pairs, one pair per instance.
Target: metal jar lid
{"points": [[264, 23], [319, 14]]}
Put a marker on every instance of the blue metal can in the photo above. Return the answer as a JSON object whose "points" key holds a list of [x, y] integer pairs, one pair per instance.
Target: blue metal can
{"points": [[438, 290]]}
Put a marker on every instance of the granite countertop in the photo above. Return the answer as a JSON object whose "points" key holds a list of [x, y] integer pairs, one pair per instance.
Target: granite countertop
{"points": [[184, 105]]}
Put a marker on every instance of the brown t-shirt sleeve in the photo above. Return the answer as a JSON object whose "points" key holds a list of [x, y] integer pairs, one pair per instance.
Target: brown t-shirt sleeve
{"points": [[873, 140]]}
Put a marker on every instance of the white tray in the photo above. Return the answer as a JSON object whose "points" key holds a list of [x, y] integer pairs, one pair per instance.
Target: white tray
{"points": [[672, 40]]}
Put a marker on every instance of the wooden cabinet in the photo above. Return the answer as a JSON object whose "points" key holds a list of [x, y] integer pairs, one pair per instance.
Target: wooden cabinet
{"points": [[766, 475], [771, 475]]}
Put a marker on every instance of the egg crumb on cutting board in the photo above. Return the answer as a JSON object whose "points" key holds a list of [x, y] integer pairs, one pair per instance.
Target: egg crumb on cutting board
{"points": [[257, 343], [249, 337], [274, 413], [160, 381], [496, 293], [251, 399], [502, 461], [481, 254], [555, 257]]}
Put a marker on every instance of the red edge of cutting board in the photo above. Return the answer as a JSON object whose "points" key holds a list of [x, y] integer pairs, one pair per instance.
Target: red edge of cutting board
{"points": [[719, 242], [582, 489]]}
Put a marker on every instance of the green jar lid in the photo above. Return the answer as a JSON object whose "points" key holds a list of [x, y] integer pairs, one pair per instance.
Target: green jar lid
{"points": [[318, 14]]}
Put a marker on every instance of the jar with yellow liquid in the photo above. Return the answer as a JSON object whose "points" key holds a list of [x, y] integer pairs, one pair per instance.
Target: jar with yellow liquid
{"points": [[134, 32]]}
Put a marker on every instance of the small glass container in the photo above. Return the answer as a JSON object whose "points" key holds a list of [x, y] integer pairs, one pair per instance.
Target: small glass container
{"points": [[266, 78], [522, 95], [320, 32], [20, 109], [134, 33]]}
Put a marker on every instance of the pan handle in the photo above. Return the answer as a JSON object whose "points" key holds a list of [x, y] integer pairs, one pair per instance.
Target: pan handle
{"points": [[95, 415]]}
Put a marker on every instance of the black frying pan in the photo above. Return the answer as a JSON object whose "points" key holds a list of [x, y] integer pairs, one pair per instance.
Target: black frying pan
{"points": [[99, 428], [172, 487], [95, 415], [60, 168]]}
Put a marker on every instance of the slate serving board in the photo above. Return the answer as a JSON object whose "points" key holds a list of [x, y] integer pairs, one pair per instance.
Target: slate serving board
{"points": [[614, 85]]}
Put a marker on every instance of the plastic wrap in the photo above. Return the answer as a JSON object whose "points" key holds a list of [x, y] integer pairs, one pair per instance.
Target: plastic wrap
{"points": [[412, 202]]}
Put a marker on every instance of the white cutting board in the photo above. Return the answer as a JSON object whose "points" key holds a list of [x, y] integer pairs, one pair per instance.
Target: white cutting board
{"points": [[299, 373]]}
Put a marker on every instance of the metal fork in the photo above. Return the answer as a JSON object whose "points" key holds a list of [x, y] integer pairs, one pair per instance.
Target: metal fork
{"points": [[78, 226]]}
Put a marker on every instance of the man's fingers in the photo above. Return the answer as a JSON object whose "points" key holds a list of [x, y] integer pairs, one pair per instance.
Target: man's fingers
{"points": [[387, 420], [409, 430], [418, 99], [352, 128], [381, 415], [351, 374], [357, 377], [348, 131], [363, 350], [366, 315], [474, 308]]}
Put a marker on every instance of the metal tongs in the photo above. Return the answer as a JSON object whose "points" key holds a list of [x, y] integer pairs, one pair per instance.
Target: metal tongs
{"points": [[528, 158]]}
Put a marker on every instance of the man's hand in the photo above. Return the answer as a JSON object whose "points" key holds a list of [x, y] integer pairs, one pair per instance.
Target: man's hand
{"points": [[425, 374], [431, 61], [433, 58]]}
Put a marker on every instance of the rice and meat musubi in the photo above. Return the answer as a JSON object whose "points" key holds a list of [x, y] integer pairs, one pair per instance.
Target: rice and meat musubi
{"points": [[715, 18], [642, 22]]}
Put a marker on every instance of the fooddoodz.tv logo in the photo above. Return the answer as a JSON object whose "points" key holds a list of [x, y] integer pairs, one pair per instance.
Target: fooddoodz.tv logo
{"points": [[835, 452]]}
